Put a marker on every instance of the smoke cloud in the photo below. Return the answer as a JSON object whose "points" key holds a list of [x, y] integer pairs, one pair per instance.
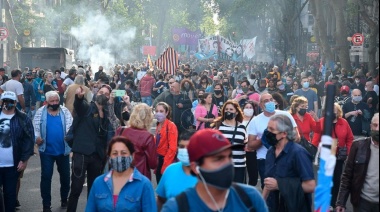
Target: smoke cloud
{"points": [[99, 43]]}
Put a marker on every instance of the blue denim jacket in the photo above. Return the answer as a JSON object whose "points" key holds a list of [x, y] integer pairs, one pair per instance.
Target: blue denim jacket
{"points": [[136, 195]]}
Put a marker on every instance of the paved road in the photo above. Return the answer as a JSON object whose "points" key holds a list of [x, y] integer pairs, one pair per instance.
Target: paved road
{"points": [[30, 196]]}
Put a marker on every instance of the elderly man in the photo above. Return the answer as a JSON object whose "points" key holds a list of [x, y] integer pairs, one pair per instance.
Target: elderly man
{"points": [[256, 130], [51, 123], [357, 114], [210, 160], [287, 184], [360, 177]]}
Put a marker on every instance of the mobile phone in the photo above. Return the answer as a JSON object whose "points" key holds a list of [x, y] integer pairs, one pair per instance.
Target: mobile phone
{"points": [[120, 93]]}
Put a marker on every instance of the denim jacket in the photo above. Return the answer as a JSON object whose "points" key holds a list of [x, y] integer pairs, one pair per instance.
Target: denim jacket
{"points": [[136, 195], [40, 121]]}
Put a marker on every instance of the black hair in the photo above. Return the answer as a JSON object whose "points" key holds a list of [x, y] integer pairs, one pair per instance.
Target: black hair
{"points": [[15, 73], [186, 135]]}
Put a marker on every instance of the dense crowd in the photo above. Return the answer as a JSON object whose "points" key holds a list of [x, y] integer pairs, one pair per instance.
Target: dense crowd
{"points": [[221, 129]]}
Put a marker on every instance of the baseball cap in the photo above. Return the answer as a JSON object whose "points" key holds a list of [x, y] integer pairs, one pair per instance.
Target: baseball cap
{"points": [[207, 142], [8, 95], [345, 88]]}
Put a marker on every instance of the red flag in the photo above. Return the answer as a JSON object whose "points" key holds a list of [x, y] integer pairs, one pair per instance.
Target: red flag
{"points": [[168, 61]]}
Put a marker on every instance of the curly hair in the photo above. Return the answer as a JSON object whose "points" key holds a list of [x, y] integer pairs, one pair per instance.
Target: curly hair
{"points": [[141, 117], [297, 102], [192, 87]]}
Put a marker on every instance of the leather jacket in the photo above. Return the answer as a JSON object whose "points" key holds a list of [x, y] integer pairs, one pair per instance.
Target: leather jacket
{"points": [[354, 174], [145, 157]]}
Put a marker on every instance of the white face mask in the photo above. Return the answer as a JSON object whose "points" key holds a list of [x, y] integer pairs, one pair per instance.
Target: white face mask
{"points": [[248, 112]]}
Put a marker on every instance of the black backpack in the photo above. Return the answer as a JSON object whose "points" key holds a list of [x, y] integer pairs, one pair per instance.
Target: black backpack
{"points": [[243, 101], [183, 202]]}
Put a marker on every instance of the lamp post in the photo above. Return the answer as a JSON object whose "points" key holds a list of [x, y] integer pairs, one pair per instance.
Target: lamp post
{"points": [[358, 31]]}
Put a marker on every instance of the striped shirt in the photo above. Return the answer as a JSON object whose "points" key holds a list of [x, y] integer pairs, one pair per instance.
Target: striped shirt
{"points": [[238, 156]]}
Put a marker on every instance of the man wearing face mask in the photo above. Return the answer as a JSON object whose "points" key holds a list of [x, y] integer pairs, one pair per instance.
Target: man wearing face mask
{"points": [[356, 112], [360, 178], [256, 130], [287, 185], [309, 94], [177, 177], [210, 160], [29, 95], [91, 134], [16, 146], [248, 94], [51, 123]]}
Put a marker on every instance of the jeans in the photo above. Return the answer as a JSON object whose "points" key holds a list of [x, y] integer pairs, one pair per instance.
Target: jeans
{"points": [[147, 100], [30, 113], [159, 167], [93, 165], [8, 180], [240, 174], [253, 173], [366, 206], [47, 169], [261, 167]]}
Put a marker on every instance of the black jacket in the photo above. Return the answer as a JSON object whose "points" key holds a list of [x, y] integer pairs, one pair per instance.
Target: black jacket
{"points": [[172, 101], [22, 135], [92, 132], [293, 198]]}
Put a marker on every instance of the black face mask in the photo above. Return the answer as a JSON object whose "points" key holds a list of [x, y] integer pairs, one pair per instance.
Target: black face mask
{"points": [[375, 135], [126, 115], [101, 99], [225, 83], [217, 92], [229, 115], [270, 138], [215, 74], [214, 179], [53, 107], [302, 111]]}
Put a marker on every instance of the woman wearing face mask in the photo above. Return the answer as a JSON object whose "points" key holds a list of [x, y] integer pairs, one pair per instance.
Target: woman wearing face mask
{"points": [[204, 83], [343, 133], [253, 174], [140, 122], [205, 112], [123, 184], [166, 138], [230, 125], [307, 122], [177, 177]]}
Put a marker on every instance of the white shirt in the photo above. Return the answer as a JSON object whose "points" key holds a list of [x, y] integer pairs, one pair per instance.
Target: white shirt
{"points": [[6, 147], [259, 124], [14, 86], [68, 82]]}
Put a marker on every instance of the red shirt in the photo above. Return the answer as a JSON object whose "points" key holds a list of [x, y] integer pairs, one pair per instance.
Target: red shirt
{"points": [[59, 84], [307, 125]]}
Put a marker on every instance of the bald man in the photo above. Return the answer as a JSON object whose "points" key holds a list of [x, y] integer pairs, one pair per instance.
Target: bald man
{"points": [[357, 113]]}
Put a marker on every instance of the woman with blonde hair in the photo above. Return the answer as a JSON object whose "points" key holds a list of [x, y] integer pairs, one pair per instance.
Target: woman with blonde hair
{"points": [[140, 121], [307, 122]]}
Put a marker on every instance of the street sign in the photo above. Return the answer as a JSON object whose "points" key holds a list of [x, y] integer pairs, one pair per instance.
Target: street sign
{"points": [[358, 39], [357, 48], [3, 33], [356, 53]]}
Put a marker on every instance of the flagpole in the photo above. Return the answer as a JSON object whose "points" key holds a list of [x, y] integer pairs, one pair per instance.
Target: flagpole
{"points": [[327, 163]]}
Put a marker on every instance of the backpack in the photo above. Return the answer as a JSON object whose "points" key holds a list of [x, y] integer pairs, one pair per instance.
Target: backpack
{"points": [[183, 202]]}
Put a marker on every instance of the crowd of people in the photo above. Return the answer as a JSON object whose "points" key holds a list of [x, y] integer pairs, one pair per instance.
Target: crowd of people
{"points": [[220, 129]]}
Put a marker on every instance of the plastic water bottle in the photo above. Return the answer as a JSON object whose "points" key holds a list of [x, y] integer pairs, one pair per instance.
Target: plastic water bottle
{"points": [[353, 118]]}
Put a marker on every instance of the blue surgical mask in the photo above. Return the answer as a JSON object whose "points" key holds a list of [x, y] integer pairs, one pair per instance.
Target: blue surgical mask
{"points": [[183, 156], [306, 85], [270, 107]]}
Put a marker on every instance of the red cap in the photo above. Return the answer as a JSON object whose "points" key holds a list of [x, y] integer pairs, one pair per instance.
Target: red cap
{"points": [[207, 142], [345, 88]]}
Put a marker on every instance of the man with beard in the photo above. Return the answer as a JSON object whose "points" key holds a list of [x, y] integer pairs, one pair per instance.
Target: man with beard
{"points": [[210, 160], [29, 95], [360, 177], [90, 130]]}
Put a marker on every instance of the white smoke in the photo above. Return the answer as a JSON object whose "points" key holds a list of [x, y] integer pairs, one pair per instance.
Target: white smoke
{"points": [[99, 42]]}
